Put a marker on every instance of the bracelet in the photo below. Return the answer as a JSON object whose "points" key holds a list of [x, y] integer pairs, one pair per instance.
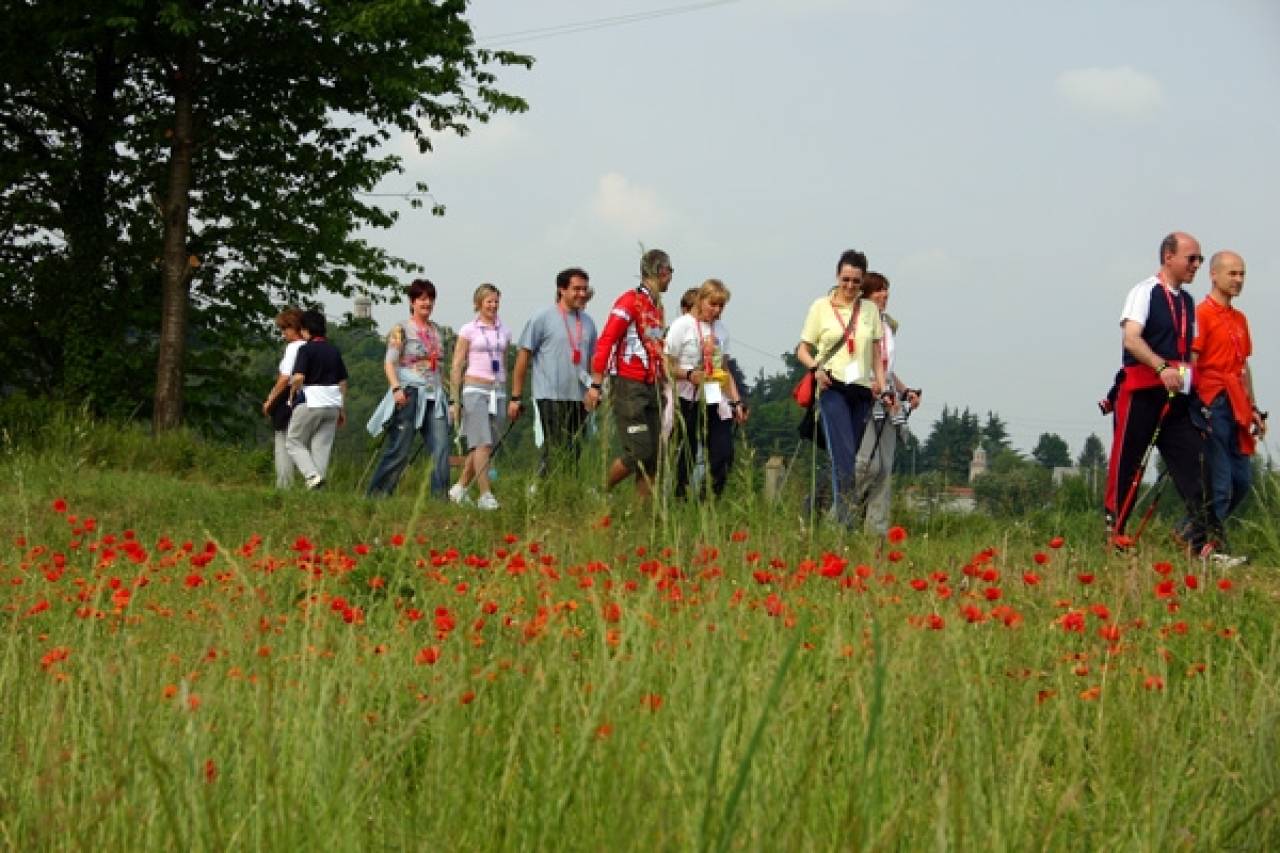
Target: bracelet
{"points": [[595, 386], [1164, 365]]}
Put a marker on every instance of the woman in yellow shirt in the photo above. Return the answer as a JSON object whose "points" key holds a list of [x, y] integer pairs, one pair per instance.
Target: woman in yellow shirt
{"points": [[840, 342]]}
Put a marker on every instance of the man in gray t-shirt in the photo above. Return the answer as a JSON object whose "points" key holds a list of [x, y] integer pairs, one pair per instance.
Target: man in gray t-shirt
{"points": [[559, 342]]}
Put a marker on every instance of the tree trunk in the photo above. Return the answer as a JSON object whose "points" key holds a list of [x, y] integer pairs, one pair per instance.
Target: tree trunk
{"points": [[178, 265]]}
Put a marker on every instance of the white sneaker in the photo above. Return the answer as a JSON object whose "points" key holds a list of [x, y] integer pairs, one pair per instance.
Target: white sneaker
{"points": [[487, 501], [315, 481], [457, 494], [1227, 561], [1221, 559]]}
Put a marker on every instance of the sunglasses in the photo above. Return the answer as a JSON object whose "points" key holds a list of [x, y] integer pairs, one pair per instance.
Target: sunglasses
{"points": [[1195, 259]]}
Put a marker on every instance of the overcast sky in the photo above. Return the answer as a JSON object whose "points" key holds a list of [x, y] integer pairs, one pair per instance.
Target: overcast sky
{"points": [[1010, 166]]}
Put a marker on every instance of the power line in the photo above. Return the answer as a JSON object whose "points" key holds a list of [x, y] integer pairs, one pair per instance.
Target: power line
{"points": [[538, 33]]}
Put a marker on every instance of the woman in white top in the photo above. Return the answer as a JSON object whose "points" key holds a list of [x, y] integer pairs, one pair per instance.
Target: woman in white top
{"points": [[875, 455], [839, 342], [709, 403], [276, 406]]}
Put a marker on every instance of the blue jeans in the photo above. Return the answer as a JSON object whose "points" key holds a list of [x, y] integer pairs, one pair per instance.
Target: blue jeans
{"points": [[845, 410], [1229, 469], [399, 441]]}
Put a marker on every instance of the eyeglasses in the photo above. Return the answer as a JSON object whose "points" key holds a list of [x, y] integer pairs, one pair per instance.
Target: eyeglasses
{"points": [[848, 280], [1195, 259]]}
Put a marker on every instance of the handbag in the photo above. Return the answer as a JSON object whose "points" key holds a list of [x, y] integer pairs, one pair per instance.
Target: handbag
{"points": [[804, 391]]}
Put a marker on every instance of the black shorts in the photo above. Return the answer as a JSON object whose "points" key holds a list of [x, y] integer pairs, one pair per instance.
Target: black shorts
{"points": [[638, 414]]}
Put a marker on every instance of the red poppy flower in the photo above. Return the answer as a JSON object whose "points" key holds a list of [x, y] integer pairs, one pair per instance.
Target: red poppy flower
{"points": [[1040, 557], [896, 535], [1057, 542], [738, 536], [468, 697], [895, 556], [991, 593], [210, 771], [1085, 579], [427, 656], [935, 622], [1192, 582], [1072, 622], [1162, 568], [1030, 578], [1225, 584], [1153, 682], [919, 584]]}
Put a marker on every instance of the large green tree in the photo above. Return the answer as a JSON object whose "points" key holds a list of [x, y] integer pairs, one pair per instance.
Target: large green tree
{"points": [[176, 168], [949, 447], [1092, 455], [1051, 451]]}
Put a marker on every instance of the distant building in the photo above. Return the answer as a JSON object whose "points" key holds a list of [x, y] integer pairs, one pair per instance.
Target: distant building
{"points": [[363, 308], [978, 464], [1061, 472]]}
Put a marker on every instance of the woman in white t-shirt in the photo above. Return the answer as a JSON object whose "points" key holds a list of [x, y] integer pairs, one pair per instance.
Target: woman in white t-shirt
{"points": [[276, 406], [879, 442], [709, 403]]}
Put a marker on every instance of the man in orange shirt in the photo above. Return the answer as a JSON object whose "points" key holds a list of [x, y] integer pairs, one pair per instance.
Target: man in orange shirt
{"points": [[1224, 384]]}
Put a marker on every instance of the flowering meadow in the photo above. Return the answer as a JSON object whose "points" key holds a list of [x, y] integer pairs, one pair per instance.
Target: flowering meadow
{"points": [[194, 665]]}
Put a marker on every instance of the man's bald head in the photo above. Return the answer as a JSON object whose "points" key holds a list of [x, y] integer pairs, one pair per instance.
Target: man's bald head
{"points": [[1226, 276], [1224, 257]]}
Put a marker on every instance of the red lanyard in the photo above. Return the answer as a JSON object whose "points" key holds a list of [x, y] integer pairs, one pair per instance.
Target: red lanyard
{"points": [[1182, 330], [574, 344], [851, 329], [707, 344], [430, 343]]}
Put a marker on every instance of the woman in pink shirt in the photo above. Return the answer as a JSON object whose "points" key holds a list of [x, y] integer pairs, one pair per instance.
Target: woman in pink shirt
{"points": [[479, 378]]}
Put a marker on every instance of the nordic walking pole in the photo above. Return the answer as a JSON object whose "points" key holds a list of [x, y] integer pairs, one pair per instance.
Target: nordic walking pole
{"points": [[1156, 491]]}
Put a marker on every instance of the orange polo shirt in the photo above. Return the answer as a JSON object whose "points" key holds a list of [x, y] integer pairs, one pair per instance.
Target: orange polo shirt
{"points": [[1222, 343]]}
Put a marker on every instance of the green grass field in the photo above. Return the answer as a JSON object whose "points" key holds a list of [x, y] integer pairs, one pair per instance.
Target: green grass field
{"points": [[194, 661]]}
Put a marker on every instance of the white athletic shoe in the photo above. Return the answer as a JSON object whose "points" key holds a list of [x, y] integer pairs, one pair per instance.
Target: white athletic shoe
{"points": [[1211, 554], [315, 481], [457, 494], [487, 501]]}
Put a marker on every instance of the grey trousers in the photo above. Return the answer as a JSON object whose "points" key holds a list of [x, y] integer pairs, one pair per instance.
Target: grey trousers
{"points": [[874, 475], [310, 439], [284, 465]]}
